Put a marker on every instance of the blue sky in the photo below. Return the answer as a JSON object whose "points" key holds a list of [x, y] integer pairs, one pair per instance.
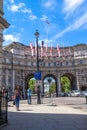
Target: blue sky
{"points": [[67, 21]]}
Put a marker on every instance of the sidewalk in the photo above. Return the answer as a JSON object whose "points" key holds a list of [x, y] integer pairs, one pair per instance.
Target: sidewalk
{"points": [[45, 117]]}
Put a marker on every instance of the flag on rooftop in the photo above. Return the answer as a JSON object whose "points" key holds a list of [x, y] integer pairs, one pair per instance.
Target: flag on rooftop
{"points": [[41, 50], [46, 49], [32, 48], [51, 50], [31, 45], [58, 50]]}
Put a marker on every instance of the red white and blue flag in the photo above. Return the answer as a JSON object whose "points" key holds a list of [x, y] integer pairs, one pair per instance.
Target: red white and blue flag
{"points": [[32, 48], [58, 50]]}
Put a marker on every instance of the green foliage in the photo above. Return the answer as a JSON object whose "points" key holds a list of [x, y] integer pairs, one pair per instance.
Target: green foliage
{"points": [[31, 84], [65, 83], [52, 88]]}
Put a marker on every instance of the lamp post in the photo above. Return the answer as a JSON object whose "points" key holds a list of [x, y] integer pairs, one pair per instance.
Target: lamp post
{"points": [[37, 63], [37, 35]]}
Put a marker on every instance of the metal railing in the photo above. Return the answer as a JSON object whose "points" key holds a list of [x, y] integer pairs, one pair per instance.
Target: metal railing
{"points": [[3, 107]]}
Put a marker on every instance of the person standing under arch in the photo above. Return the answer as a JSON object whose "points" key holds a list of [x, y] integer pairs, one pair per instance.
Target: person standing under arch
{"points": [[29, 94], [17, 97]]}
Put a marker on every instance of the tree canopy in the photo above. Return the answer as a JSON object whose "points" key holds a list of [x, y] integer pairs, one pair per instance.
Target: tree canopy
{"points": [[65, 84]]}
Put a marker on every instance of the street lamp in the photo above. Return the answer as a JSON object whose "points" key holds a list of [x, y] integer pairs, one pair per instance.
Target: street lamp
{"points": [[37, 63], [37, 35]]}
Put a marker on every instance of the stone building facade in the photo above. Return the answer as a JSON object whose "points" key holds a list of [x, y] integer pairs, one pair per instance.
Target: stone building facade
{"points": [[3, 24], [17, 65]]}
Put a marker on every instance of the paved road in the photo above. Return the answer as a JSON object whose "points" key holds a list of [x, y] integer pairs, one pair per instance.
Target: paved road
{"points": [[53, 114]]}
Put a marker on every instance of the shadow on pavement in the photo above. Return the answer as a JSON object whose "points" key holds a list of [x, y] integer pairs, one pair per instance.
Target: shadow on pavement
{"points": [[43, 121]]}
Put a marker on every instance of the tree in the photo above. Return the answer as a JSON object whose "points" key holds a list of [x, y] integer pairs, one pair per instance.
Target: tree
{"points": [[31, 84], [52, 88], [65, 83]]}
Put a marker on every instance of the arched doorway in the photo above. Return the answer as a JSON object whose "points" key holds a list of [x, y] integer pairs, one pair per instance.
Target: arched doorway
{"points": [[27, 78], [50, 84], [72, 80]]}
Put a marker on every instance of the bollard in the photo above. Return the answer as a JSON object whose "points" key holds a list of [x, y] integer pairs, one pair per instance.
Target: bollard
{"points": [[0, 103], [3, 107], [86, 99]]}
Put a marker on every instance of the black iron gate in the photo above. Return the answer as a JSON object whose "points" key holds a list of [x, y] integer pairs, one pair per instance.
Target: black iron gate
{"points": [[3, 107]]}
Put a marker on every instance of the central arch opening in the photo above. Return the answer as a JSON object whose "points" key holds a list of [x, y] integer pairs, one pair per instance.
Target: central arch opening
{"points": [[49, 85]]}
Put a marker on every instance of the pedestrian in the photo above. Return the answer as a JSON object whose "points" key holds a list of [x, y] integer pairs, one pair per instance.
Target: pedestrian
{"points": [[17, 97], [3, 91], [38, 95], [29, 94]]}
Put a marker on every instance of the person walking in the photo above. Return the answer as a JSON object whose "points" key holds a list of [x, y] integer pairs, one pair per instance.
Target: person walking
{"points": [[17, 97], [29, 94]]}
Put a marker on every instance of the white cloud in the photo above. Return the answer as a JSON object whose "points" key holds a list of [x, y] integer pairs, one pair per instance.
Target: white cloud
{"points": [[10, 38], [32, 17], [76, 25], [25, 10], [19, 7], [12, 26], [15, 8], [22, 8], [44, 18], [49, 4], [71, 5]]}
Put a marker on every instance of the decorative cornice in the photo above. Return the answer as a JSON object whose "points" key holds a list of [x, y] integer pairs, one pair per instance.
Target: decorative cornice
{"points": [[4, 23], [1, 12]]}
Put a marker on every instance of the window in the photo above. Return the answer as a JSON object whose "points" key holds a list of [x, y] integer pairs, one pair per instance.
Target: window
{"points": [[54, 63], [66, 63], [73, 63], [43, 63], [81, 61], [61, 64], [48, 64], [31, 63]]}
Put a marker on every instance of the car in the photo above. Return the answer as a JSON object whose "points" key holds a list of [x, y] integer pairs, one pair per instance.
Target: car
{"points": [[61, 94], [83, 93], [75, 93]]}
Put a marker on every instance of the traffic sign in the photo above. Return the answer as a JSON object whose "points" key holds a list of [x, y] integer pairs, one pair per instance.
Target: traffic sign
{"points": [[37, 75]]}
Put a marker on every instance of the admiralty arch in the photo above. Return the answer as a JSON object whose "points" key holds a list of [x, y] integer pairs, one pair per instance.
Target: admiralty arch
{"points": [[17, 65]]}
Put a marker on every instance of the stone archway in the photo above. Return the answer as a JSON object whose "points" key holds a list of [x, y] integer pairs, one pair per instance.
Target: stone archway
{"points": [[72, 80], [50, 76], [27, 78]]}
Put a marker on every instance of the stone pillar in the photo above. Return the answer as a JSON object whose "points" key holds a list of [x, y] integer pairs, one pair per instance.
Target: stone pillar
{"points": [[77, 80], [7, 75], [24, 85], [0, 64], [13, 80], [3, 24], [59, 83]]}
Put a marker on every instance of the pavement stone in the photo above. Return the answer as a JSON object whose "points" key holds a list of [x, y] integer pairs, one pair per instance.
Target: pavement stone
{"points": [[47, 116]]}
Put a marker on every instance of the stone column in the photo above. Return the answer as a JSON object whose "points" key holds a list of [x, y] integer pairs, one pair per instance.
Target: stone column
{"points": [[13, 80], [7, 75], [24, 85], [3, 24], [77, 80], [59, 83], [0, 64]]}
